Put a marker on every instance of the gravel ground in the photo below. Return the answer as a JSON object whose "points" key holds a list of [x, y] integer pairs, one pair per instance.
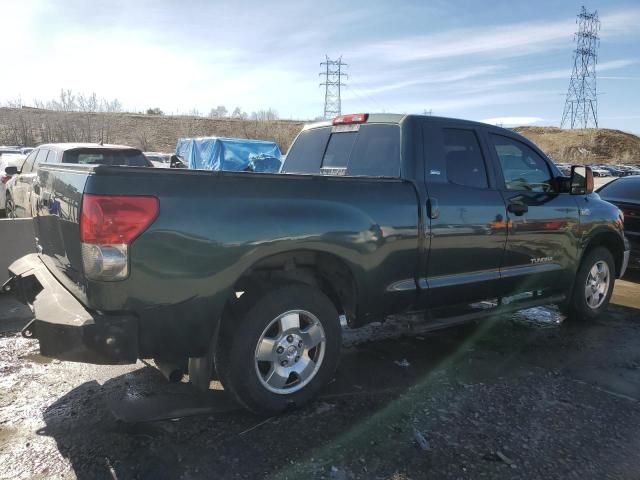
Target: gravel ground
{"points": [[526, 396]]}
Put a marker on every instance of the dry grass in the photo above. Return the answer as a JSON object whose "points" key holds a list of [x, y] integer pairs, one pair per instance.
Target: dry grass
{"points": [[157, 132], [148, 132], [587, 146]]}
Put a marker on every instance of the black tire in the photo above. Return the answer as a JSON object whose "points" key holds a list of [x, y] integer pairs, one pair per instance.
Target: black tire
{"points": [[236, 354], [3, 213], [577, 307]]}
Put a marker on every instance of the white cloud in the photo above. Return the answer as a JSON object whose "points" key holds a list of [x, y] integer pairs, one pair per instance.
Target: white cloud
{"points": [[517, 39], [544, 75], [429, 78]]}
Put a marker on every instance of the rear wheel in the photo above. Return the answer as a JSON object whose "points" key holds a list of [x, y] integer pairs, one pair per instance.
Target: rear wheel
{"points": [[280, 349], [593, 286]]}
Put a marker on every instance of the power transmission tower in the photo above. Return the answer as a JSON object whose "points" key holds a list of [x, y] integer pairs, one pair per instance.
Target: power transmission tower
{"points": [[581, 106], [333, 75]]}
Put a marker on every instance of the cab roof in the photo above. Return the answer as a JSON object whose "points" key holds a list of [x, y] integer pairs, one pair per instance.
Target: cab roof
{"points": [[398, 118], [63, 147]]}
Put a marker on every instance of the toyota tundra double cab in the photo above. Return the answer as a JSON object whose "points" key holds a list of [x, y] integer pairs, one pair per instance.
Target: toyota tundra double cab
{"points": [[253, 276]]}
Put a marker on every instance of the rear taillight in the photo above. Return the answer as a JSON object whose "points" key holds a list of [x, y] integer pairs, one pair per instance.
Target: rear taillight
{"points": [[351, 118], [5, 178], [108, 225]]}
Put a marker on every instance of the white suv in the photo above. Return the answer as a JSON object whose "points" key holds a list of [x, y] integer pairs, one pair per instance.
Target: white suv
{"points": [[7, 160]]}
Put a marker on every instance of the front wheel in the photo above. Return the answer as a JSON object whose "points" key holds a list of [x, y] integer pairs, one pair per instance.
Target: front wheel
{"points": [[10, 207], [280, 349], [593, 286]]}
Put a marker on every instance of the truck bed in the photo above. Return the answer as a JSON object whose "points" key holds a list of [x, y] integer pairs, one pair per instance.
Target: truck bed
{"points": [[214, 226]]}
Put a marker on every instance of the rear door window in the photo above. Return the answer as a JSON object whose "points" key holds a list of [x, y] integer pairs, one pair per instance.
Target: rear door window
{"points": [[463, 158], [41, 158]]}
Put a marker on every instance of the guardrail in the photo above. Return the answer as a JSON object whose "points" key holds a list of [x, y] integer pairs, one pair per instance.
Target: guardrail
{"points": [[17, 238]]}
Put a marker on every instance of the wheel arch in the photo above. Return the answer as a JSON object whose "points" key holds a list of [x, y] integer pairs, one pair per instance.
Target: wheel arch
{"points": [[609, 239], [330, 273]]}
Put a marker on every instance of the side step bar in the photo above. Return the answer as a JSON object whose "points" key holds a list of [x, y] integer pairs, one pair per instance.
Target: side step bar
{"points": [[501, 309]]}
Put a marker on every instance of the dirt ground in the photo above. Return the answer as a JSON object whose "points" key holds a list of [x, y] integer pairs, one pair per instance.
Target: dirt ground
{"points": [[524, 396]]}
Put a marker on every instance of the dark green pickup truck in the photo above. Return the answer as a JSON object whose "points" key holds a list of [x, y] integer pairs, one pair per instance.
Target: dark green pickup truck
{"points": [[253, 276]]}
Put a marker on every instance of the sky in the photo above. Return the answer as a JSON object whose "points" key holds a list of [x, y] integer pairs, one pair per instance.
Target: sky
{"points": [[503, 62]]}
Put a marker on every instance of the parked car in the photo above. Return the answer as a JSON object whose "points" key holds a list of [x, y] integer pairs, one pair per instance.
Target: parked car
{"points": [[7, 160], [615, 170], [564, 169], [630, 170], [252, 273], [159, 160], [22, 190], [625, 193], [599, 171], [10, 150]]}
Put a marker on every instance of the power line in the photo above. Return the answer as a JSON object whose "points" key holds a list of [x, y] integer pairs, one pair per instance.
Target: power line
{"points": [[365, 98], [581, 105], [333, 75]]}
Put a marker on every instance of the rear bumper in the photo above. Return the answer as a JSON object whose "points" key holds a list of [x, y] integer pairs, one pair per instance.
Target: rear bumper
{"points": [[64, 327]]}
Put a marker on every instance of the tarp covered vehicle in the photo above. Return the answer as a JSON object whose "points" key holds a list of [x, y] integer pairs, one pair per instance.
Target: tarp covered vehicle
{"points": [[230, 154]]}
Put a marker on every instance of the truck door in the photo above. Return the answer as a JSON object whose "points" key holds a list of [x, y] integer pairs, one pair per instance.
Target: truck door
{"points": [[542, 243], [467, 217]]}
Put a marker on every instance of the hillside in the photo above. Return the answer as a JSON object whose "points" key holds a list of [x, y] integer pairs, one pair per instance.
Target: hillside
{"points": [[29, 127], [592, 145]]}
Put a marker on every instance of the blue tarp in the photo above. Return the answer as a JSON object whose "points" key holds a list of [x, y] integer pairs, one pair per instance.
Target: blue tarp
{"points": [[229, 154]]}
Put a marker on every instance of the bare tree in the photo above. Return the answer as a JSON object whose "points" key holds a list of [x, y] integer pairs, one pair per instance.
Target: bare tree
{"points": [[265, 115], [238, 113], [219, 112], [144, 142]]}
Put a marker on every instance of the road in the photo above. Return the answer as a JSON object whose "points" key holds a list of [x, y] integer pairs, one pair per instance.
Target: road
{"points": [[524, 396]]}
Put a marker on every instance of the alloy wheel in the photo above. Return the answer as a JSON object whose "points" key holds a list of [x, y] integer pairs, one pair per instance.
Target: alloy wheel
{"points": [[597, 284], [290, 352]]}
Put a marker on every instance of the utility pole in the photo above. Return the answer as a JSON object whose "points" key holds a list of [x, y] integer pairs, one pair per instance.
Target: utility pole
{"points": [[333, 74], [581, 105]]}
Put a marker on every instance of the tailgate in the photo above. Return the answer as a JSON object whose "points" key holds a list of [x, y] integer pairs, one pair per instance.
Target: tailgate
{"points": [[57, 222]]}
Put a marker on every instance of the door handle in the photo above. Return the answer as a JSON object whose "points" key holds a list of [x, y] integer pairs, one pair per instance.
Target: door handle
{"points": [[433, 211], [518, 208]]}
